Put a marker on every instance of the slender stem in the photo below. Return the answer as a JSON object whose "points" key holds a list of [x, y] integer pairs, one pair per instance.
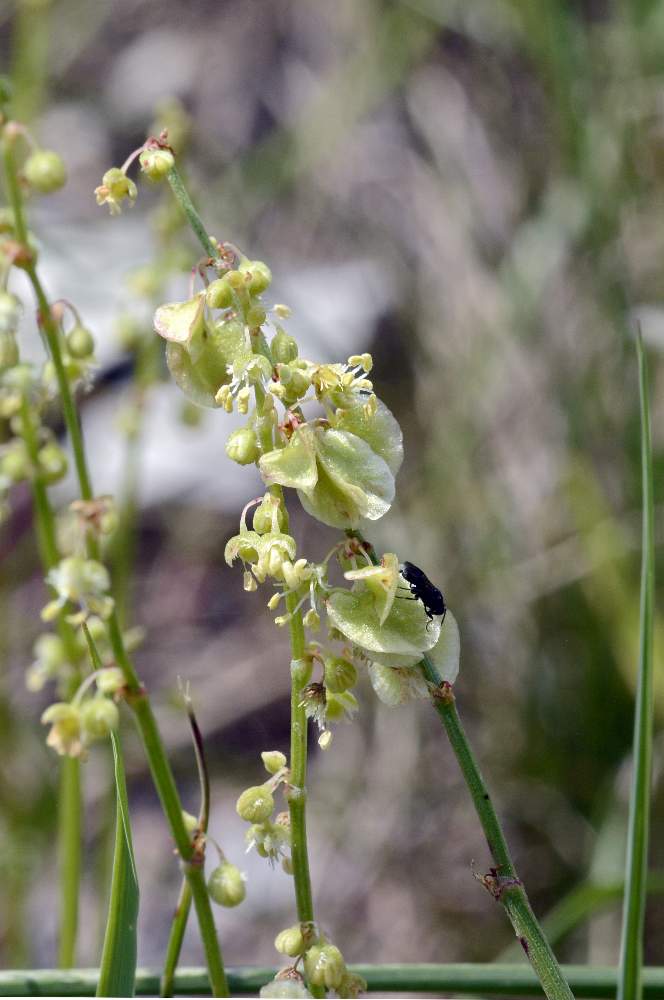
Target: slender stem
{"points": [[503, 882], [181, 915], [69, 798], [135, 693], [636, 871], [412, 979], [186, 204], [69, 858]]}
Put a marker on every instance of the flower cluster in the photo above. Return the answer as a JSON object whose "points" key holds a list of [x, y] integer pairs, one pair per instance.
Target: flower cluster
{"points": [[269, 836], [87, 717]]}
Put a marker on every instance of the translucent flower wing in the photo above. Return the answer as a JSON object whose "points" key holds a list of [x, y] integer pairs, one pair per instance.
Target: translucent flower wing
{"points": [[406, 630], [379, 429], [294, 465]]}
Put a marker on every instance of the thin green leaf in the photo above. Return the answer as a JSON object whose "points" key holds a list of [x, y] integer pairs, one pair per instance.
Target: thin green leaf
{"points": [[636, 869], [117, 972]]}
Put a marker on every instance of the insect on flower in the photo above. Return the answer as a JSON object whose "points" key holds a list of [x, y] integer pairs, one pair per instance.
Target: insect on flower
{"points": [[422, 589]]}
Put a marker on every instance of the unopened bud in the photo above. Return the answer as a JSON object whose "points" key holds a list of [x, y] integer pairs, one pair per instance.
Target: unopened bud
{"points": [[80, 342], [324, 966], [273, 760], [111, 679], [156, 163], [226, 885], [99, 717], [259, 274], [219, 294], [52, 462], [190, 823], [45, 171], [256, 804], [290, 941], [311, 620], [242, 446]]}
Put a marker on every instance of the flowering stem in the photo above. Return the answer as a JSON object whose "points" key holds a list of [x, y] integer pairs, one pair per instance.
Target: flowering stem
{"points": [[136, 695], [69, 797], [186, 204]]}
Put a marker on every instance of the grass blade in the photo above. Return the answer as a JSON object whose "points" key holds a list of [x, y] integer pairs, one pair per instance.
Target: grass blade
{"points": [[118, 961], [636, 870]]}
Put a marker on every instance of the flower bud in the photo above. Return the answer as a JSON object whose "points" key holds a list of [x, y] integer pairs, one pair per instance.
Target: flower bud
{"points": [[156, 163], [80, 342], [242, 446], [52, 462], [264, 513], [256, 804], [290, 941], [311, 620], [282, 311], [255, 317], [226, 885], [273, 760], [45, 171], [283, 347], [324, 966], [340, 674], [287, 985], [259, 274], [301, 671], [10, 314], [15, 463], [99, 717], [110, 680], [190, 822], [8, 351], [219, 294]]}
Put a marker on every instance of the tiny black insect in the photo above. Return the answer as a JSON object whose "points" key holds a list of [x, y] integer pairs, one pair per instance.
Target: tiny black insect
{"points": [[423, 590]]}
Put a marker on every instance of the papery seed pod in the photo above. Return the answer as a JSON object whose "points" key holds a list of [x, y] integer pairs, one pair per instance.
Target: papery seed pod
{"points": [[226, 885], [256, 804], [45, 171]]}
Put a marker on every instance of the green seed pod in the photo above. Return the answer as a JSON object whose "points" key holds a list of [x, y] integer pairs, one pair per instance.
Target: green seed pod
{"points": [[156, 163], [290, 941], [273, 760], [324, 966], [99, 717], [52, 462], [45, 171], [256, 804], [340, 674], [219, 294], [242, 446], [260, 275], [80, 342], [226, 885], [283, 347]]}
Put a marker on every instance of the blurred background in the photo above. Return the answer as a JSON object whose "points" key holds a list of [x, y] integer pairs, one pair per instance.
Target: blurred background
{"points": [[473, 193]]}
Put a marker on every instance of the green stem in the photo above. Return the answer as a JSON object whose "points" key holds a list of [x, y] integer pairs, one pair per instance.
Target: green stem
{"points": [[136, 695], [422, 978], [186, 204], [181, 915], [636, 871], [69, 858], [503, 882], [69, 798]]}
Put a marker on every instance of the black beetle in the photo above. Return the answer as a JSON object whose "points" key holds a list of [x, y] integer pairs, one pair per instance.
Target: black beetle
{"points": [[423, 590]]}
